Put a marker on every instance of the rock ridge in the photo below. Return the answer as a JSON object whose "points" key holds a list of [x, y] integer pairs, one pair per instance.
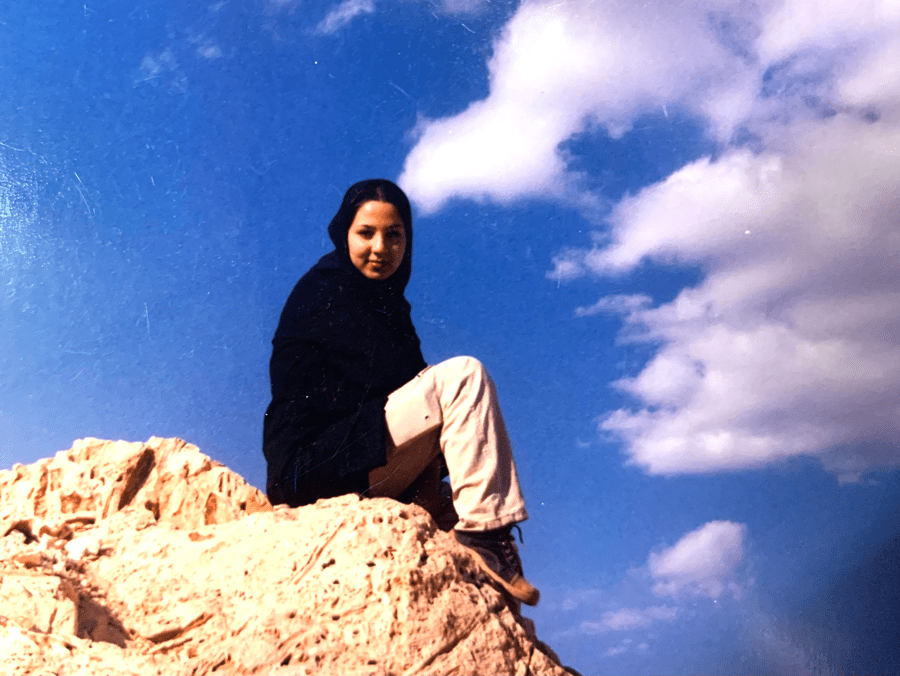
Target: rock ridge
{"points": [[150, 558]]}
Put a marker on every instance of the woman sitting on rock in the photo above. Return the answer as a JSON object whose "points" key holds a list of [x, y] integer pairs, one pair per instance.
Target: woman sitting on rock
{"points": [[355, 409]]}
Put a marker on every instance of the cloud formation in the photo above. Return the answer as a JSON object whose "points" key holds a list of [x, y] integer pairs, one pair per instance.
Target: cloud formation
{"points": [[790, 345], [627, 619], [348, 10], [559, 67], [703, 563], [343, 14]]}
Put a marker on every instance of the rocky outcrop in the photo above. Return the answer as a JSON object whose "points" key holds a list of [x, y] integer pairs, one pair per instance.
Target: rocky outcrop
{"points": [[131, 558]]}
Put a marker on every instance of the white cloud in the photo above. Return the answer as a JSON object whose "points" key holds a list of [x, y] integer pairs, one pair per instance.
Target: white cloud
{"points": [[824, 23], [790, 345], [343, 14], [627, 619], [872, 80], [560, 66], [703, 562]]}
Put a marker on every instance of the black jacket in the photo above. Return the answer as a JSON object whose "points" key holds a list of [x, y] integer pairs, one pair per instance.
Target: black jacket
{"points": [[343, 344]]}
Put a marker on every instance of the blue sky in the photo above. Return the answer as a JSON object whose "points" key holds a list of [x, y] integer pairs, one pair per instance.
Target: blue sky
{"points": [[669, 230]]}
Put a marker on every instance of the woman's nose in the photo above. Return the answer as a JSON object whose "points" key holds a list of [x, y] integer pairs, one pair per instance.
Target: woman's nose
{"points": [[378, 243]]}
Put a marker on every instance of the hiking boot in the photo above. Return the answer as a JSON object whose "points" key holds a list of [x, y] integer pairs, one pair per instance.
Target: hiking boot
{"points": [[496, 553]]}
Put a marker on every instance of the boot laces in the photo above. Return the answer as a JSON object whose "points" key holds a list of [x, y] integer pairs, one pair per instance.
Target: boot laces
{"points": [[510, 551]]}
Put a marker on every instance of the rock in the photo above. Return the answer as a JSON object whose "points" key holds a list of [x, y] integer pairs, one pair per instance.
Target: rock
{"points": [[127, 558]]}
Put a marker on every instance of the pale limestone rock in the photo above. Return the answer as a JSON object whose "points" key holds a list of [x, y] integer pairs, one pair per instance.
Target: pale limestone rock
{"points": [[120, 558]]}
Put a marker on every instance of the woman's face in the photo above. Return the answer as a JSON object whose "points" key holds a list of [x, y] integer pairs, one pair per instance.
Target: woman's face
{"points": [[377, 240]]}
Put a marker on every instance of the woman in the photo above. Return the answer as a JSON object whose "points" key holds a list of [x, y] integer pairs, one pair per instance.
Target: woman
{"points": [[354, 407]]}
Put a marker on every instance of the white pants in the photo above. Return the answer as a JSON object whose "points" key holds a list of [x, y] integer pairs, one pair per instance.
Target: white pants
{"points": [[451, 408]]}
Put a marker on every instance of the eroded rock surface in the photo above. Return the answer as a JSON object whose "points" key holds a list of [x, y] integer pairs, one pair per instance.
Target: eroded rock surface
{"points": [[131, 558]]}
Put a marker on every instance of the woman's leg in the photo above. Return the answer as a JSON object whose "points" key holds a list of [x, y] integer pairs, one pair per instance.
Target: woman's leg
{"points": [[412, 440], [476, 448], [451, 408], [414, 461]]}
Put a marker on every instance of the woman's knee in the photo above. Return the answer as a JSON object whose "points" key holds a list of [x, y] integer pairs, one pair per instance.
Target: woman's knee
{"points": [[464, 366]]}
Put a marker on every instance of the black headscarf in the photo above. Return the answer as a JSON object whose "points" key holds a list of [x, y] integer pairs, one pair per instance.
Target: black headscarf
{"points": [[343, 344]]}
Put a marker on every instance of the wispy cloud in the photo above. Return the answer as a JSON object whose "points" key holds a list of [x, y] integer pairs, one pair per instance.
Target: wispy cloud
{"points": [[627, 619], [343, 14], [626, 304], [625, 646], [578, 598], [162, 68], [210, 50]]}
